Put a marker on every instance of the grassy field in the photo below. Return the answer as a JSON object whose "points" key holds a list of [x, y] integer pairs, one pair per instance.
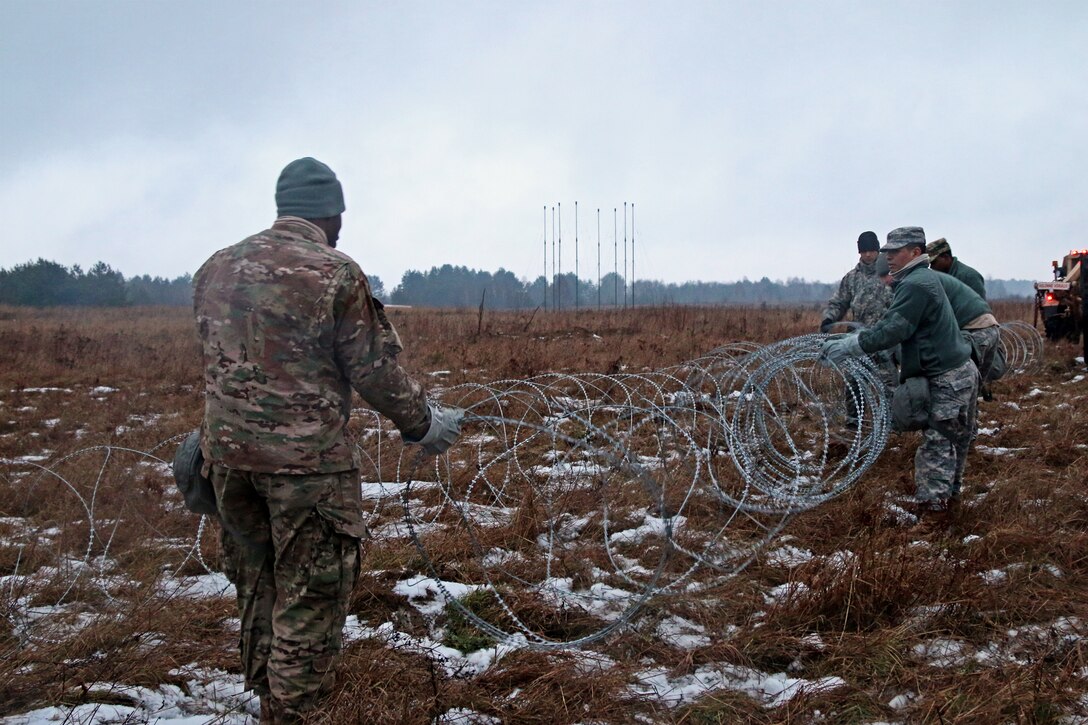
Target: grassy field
{"points": [[878, 619]]}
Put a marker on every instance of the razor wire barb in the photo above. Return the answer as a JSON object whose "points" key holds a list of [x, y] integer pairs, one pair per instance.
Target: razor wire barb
{"points": [[570, 500]]}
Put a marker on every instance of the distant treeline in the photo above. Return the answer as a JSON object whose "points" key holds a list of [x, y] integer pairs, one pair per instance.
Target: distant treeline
{"points": [[45, 284], [450, 286], [48, 284]]}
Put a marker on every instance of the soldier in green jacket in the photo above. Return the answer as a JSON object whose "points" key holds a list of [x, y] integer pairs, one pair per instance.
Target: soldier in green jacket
{"points": [[941, 259], [289, 329], [922, 322], [975, 318]]}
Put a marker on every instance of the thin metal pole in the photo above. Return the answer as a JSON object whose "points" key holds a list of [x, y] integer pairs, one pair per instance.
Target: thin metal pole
{"points": [[559, 277], [599, 259], [553, 259], [575, 255], [545, 257], [625, 255], [615, 262], [632, 254]]}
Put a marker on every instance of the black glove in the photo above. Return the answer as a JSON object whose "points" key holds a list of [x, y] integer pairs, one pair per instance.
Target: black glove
{"points": [[825, 325]]}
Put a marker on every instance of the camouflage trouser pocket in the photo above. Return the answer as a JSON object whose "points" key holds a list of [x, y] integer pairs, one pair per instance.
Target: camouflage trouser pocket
{"points": [[334, 571], [951, 396], [341, 505]]}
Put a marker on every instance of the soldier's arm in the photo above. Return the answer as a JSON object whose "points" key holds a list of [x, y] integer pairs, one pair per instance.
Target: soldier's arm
{"points": [[898, 323], [366, 347], [839, 302]]}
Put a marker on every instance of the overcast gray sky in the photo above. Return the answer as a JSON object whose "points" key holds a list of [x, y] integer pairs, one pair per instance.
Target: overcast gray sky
{"points": [[754, 138]]}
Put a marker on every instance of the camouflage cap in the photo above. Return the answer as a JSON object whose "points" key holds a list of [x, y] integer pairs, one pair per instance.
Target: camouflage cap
{"points": [[901, 237], [937, 248]]}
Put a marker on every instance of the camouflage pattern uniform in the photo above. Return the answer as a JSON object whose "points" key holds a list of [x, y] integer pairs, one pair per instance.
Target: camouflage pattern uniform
{"points": [[865, 294], [289, 328], [941, 460], [861, 292]]}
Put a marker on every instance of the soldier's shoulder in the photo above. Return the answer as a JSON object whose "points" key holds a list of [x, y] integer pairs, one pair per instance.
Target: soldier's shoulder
{"points": [[973, 272], [227, 253], [335, 256]]}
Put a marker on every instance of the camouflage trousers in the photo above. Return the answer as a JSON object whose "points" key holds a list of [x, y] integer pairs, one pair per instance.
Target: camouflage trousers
{"points": [[295, 543], [940, 461], [984, 344], [887, 372]]}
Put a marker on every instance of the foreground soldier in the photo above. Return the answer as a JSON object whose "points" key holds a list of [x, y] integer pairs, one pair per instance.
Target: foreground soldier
{"points": [[921, 320], [941, 259], [973, 315], [289, 328], [860, 291]]}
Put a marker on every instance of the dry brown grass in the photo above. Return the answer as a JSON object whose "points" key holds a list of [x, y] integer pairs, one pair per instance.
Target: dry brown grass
{"points": [[863, 617]]}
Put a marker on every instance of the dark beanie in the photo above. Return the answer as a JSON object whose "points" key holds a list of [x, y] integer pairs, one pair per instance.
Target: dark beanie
{"points": [[868, 242], [309, 189]]}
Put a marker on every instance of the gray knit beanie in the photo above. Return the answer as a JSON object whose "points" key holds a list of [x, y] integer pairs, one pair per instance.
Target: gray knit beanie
{"points": [[309, 189]]}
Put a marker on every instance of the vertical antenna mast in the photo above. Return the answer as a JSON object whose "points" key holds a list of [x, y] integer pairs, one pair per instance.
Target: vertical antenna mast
{"points": [[625, 255], [632, 254], [559, 278], [575, 255], [598, 258], [615, 262], [553, 259], [545, 257]]}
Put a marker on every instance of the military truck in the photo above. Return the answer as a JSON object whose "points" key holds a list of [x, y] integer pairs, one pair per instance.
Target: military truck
{"points": [[1060, 302]]}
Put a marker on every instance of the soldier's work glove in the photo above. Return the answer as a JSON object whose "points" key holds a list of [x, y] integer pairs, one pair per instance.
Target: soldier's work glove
{"points": [[826, 325], [444, 430], [840, 348]]}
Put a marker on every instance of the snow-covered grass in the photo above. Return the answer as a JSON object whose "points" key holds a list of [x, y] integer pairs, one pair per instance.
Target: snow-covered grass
{"points": [[857, 612]]}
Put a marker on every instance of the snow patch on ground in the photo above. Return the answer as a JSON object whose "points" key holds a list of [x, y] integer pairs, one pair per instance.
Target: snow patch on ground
{"points": [[992, 451], [769, 689], [210, 695], [789, 557], [199, 587]]}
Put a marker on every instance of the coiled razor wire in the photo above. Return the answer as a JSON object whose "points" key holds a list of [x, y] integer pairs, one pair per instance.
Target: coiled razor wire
{"points": [[1023, 347], [568, 502], [580, 496]]}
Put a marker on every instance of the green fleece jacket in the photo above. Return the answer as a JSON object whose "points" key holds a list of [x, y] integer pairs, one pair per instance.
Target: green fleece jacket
{"points": [[966, 304], [921, 320], [969, 276]]}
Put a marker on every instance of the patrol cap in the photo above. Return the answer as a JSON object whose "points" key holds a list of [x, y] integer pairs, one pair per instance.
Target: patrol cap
{"points": [[937, 248], [901, 237], [308, 189]]}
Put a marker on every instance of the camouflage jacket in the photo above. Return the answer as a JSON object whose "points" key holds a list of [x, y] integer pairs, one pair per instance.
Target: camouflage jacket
{"points": [[288, 328], [861, 291]]}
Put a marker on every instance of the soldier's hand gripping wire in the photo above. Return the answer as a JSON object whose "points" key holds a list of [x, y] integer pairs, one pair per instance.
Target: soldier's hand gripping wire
{"points": [[444, 429]]}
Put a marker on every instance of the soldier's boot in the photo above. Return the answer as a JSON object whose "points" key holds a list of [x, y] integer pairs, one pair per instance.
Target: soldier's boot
{"points": [[934, 514], [273, 713]]}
